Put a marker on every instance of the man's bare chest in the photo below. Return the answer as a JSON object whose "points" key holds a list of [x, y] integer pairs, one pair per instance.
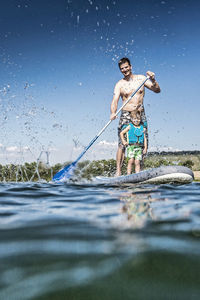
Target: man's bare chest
{"points": [[127, 88]]}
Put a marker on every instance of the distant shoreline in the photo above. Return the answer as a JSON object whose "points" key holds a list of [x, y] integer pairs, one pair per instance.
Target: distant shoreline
{"points": [[185, 152], [105, 167]]}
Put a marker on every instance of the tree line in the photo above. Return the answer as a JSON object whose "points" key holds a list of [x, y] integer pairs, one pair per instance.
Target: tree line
{"points": [[35, 171]]}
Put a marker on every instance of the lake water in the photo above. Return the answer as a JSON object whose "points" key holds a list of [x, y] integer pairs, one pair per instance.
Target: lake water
{"points": [[82, 241]]}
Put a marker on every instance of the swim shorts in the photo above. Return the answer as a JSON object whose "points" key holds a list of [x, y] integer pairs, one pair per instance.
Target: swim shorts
{"points": [[134, 151], [125, 119]]}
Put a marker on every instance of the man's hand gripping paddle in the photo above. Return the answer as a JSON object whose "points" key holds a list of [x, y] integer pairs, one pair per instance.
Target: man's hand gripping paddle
{"points": [[65, 173]]}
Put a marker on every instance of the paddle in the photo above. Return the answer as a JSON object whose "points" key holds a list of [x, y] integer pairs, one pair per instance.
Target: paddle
{"points": [[65, 173]]}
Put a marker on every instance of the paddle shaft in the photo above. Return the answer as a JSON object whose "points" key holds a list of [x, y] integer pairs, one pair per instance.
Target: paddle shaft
{"points": [[103, 129]]}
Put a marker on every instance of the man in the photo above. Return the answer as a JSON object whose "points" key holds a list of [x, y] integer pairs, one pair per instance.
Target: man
{"points": [[124, 88]]}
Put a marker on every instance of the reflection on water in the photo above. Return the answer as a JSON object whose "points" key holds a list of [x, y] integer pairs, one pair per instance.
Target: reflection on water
{"points": [[82, 241], [138, 208]]}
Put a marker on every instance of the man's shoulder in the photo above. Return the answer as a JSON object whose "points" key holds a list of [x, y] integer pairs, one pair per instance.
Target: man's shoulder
{"points": [[120, 82]]}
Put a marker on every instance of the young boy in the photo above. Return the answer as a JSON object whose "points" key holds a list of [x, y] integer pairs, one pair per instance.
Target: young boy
{"points": [[135, 140]]}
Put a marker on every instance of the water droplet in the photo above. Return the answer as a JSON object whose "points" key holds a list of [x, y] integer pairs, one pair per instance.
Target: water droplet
{"points": [[56, 125]]}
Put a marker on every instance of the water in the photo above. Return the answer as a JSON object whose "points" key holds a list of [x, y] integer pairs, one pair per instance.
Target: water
{"points": [[82, 241]]}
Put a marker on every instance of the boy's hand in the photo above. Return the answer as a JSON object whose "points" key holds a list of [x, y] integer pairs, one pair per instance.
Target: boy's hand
{"points": [[144, 151], [125, 143]]}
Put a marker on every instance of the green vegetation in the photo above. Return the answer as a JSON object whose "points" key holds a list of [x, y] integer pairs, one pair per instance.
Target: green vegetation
{"points": [[188, 159], [87, 169]]}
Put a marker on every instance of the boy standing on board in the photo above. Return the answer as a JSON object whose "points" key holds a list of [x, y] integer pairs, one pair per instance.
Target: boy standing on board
{"points": [[135, 140], [124, 88]]}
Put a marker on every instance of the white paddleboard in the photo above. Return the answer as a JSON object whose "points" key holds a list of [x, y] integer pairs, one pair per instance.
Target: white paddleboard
{"points": [[161, 175]]}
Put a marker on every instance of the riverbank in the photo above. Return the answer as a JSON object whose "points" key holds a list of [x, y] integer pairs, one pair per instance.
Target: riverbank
{"points": [[37, 171]]}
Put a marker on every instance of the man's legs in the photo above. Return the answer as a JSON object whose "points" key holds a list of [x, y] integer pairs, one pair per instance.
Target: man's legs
{"points": [[144, 122], [125, 119], [119, 160]]}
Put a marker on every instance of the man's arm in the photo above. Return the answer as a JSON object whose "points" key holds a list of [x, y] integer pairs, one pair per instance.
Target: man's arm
{"points": [[152, 84], [115, 100]]}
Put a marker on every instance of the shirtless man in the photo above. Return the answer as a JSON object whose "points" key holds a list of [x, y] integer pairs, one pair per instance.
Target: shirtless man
{"points": [[124, 88]]}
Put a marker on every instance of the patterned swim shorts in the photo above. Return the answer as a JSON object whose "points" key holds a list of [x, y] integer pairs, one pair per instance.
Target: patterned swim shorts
{"points": [[125, 119], [134, 151]]}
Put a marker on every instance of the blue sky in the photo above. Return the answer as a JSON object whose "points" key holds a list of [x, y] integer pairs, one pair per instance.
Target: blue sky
{"points": [[58, 68]]}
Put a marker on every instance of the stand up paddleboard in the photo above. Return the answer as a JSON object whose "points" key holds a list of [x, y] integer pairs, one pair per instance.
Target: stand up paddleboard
{"points": [[165, 174]]}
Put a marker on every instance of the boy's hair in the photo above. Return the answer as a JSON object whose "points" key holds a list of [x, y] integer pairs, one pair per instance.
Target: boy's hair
{"points": [[136, 115], [123, 61]]}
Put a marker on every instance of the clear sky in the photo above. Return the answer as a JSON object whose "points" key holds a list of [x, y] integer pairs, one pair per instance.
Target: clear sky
{"points": [[58, 68]]}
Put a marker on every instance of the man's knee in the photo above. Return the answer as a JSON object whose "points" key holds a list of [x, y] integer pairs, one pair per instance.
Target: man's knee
{"points": [[121, 147]]}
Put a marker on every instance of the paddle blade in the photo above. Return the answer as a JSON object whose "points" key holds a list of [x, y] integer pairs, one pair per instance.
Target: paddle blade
{"points": [[64, 174]]}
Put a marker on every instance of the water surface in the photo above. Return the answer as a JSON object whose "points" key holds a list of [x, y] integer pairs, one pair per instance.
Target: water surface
{"points": [[82, 241]]}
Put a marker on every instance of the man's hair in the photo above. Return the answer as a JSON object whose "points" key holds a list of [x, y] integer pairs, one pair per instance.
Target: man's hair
{"points": [[123, 61]]}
